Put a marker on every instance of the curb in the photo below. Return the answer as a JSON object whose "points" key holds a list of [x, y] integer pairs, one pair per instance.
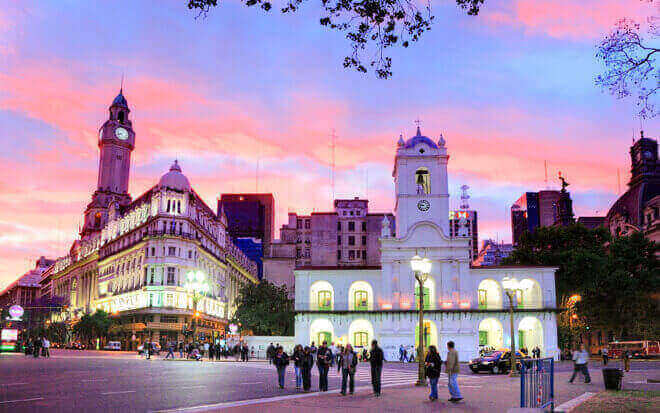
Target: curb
{"points": [[573, 403]]}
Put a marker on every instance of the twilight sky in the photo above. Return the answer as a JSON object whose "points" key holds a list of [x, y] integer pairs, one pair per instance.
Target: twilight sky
{"points": [[508, 89]]}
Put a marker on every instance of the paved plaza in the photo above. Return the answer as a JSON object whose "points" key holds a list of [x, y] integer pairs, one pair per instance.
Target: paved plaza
{"points": [[72, 381]]}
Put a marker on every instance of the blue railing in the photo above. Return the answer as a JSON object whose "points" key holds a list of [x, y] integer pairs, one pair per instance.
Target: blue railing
{"points": [[537, 383]]}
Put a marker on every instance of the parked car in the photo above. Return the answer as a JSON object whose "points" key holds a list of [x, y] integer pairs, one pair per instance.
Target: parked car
{"points": [[155, 348], [75, 345], [113, 346], [496, 362]]}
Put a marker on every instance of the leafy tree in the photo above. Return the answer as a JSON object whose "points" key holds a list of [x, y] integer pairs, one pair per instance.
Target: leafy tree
{"points": [[630, 66], [265, 308], [617, 279], [371, 26], [93, 326], [58, 332]]}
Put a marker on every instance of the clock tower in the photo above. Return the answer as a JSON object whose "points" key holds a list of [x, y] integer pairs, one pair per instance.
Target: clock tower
{"points": [[116, 142], [420, 179]]}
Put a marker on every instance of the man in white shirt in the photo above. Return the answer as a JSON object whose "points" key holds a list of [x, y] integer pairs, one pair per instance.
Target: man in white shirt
{"points": [[580, 360], [46, 346]]}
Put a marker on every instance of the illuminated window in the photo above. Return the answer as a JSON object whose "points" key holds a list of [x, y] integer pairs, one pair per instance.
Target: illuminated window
{"points": [[325, 300], [361, 298], [360, 339], [483, 299]]}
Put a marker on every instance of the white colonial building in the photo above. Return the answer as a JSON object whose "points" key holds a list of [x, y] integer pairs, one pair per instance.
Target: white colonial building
{"points": [[462, 303]]}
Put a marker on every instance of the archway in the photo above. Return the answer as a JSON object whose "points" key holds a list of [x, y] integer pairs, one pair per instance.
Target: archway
{"points": [[530, 333], [360, 333], [530, 295], [489, 295], [430, 334], [491, 333], [360, 296], [321, 296], [321, 330]]}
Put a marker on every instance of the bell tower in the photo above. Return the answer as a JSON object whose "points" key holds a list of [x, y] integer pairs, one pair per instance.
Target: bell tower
{"points": [[116, 143], [420, 179]]}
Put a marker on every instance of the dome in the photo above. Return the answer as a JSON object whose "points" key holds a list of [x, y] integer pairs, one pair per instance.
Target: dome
{"points": [[120, 100], [419, 138], [174, 179]]}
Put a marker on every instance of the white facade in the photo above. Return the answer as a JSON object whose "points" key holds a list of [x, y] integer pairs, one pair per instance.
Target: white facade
{"points": [[464, 304]]}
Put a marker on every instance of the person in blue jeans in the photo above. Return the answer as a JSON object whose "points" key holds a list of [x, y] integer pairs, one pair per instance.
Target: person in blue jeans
{"points": [[298, 355], [281, 360], [452, 371], [433, 363]]}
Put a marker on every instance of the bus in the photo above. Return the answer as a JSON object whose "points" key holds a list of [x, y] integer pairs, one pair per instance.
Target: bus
{"points": [[639, 349]]}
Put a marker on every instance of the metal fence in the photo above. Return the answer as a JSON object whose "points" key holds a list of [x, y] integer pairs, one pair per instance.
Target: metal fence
{"points": [[537, 383]]}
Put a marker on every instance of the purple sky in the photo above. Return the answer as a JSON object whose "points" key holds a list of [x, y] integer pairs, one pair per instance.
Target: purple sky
{"points": [[508, 89]]}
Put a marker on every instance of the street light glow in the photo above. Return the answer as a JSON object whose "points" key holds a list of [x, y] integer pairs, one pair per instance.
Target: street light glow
{"points": [[509, 283]]}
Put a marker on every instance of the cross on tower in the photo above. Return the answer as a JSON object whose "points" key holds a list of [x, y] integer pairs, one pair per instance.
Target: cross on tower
{"points": [[418, 122]]}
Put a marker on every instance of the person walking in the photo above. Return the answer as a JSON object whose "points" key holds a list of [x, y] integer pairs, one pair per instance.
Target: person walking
{"points": [[605, 353], [348, 367], [270, 353], [37, 347], [322, 362], [180, 347], [376, 358], [306, 365], [170, 350], [626, 360], [298, 355], [401, 353], [433, 363], [281, 360], [341, 351], [580, 359], [46, 348], [452, 373], [147, 349]]}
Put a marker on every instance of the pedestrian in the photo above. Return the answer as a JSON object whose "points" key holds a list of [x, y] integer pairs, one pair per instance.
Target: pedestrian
{"points": [[580, 359], [365, 355], [405, 355], [313, 349], [412, 354], [376, 359], [281, 360], [452, 373], [170, 350], [341, 350], [322, 362], [298, 354], [46, 348], [401, 353], [246, 355], [270, 353], [626, 360], [348, 367], [147, 349], [333, 353], [37, 347], [605, 353], [306, 366], [433, 364]]}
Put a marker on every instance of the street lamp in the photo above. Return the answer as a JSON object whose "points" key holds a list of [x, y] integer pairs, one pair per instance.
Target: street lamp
{"points": [[421, 268], [510, 285], [197, 286]]}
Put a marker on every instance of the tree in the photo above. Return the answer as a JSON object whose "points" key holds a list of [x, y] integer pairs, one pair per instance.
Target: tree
{"points": [[370, 25], [93, 326], [630, 66], [265, 308], [624, 297], [616, 279]]}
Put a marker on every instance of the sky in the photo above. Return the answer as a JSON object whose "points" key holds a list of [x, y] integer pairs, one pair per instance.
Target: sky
{"points": [[247, 101]]}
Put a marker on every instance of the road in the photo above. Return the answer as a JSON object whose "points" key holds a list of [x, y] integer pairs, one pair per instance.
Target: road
{"points": [[97, 381]]}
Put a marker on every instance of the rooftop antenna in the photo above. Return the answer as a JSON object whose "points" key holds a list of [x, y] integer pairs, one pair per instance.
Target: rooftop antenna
{"points": [[121, 87], [545, 164], [332, 171], [465, 197], [418, 123]]}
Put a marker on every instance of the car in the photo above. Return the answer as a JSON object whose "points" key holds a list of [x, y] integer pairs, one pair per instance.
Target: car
{"points": [[75, 345], [155, 346], [495, 362], [113, 346]]}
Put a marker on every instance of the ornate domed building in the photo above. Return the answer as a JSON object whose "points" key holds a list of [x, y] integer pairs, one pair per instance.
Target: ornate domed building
{"points": [[135, 258]]}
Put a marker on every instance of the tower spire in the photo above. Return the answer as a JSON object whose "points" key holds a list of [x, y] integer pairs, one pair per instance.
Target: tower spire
{"points": [[121, 87]]}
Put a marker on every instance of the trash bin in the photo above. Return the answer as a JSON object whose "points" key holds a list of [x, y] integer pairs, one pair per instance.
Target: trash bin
{"points": [[612, 378]]}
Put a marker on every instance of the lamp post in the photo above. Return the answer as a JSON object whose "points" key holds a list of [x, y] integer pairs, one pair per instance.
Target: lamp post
{"points": [[510, 284], [196, 285], [421, 268]]}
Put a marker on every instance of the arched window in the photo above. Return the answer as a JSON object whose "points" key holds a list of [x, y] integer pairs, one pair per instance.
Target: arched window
{"points": [[325, 300], [423, 181], [360, 296], [321, 296], [120, 116]]}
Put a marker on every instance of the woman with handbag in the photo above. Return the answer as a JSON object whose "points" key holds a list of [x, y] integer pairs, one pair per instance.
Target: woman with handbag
{"points": [[433, 365], [281, 360], [348, 366]]}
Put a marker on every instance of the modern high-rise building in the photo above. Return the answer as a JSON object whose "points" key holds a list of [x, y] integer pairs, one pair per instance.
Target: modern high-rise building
{"points": [[347, 237], [250, 223], [492, 253], [470, 217], [537, 209]]}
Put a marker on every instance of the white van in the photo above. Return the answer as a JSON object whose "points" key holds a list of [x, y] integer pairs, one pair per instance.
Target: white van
{"points": [[113, 345]]}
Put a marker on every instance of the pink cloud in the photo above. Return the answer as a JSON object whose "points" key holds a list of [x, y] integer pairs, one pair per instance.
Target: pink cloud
{"points": [[575, 20]]}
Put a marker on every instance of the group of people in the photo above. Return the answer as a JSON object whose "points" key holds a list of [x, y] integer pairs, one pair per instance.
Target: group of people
{"points": [[324, 357], [37, 346], [433, 364], [406, 356], [201, 350]]}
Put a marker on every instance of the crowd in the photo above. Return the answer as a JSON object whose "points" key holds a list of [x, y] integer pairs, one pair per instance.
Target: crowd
{"points": [[37, 346], [201, 350], [346, 359]]}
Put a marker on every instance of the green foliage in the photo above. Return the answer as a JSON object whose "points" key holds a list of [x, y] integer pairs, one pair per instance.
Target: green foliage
{"points": [[93, 326], [617, 279], [371, 26], [265, 309]]}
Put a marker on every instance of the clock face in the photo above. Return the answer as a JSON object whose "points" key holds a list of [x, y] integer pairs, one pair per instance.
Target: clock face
{"points": [[423, 205], [121, 133]]}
